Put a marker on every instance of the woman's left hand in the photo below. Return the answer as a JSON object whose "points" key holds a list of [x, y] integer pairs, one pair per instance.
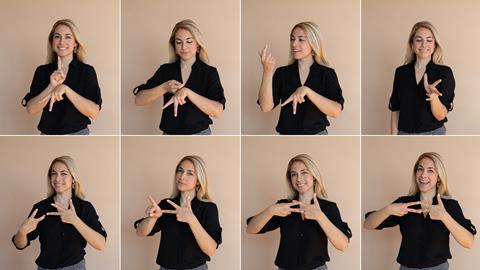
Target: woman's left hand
{"points": [[66, 215], [436, 212], [56, 95], [184, 212], [431, 89], [298, 97], [311, 211], [177, 99]]}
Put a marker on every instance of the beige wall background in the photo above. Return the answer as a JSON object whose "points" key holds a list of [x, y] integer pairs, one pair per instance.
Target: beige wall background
{"points": [[25, 26], [270, 21], [387, 164], [146, 28], [383, 49], [24, 163], [264, 162], [148, 165]]}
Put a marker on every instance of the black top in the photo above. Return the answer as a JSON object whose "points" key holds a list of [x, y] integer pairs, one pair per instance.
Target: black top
{"points": [[64, 117], [409, 98], [308, 118], [178, 247], [203, 80], [303, 243], [61, 245], [425, 242]]}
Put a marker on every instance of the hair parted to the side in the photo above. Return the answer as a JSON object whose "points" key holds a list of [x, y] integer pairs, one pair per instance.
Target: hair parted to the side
{"points": [[312, 167], [437, 56], [79, 51], [202, 178], [77, 188], [315, 39], [193, 28], [439, 168]]}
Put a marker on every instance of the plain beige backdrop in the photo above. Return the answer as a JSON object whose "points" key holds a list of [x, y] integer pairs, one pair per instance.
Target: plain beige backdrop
{"points": [[25, 26], [146, 28], [387, 167], [148, 167], [264, 163], [270, 21], [385, 29], [24, 163]]}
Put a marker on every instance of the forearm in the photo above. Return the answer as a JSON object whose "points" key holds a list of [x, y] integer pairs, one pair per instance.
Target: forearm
{"points": [[329, 107], [375, 219], [258, 221], [20, 240], [204, 240], [265, 94], [338, 239], [394, 122], [149, 96], [461, 235], [83, 105], [439, 110], [92, 237], [34, 105], [206, 105], [145, 226]]}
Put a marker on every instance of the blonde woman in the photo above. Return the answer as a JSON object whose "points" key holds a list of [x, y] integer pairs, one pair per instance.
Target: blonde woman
{"points": [[426, 216], [423, 88], [64, 222], [191, 89], [66, 88], [307, 88], [191, 231], [307, 221]]}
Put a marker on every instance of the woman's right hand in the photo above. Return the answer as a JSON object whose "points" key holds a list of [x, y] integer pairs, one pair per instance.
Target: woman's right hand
{"points": [[284, 209], [268, 62], [30, 224], [59, 75], [172, 86], [401, 209], [154, 211]]}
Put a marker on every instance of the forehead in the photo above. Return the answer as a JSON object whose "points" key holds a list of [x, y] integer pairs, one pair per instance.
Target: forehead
{"points": [[426, 162], [59, 166], [63, 29], [183, 34], [298, 166], [297, 31], [423, 32], [187, 165]]}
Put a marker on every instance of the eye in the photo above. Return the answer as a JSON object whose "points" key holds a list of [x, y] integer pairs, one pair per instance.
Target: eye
{"points": [[305, 173], [53, 173], [179, 170], [178, 42], [293, 174], [301, 39], [292, 38], [64, 174], [419, 169], [431, 171]]}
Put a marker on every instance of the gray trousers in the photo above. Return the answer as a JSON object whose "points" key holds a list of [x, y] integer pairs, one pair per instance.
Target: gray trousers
{"points": [[323, 132], [84, 131], [439, 131], [207, 131], [201, 267], [322, 267], [443, 266], [78, 266]]}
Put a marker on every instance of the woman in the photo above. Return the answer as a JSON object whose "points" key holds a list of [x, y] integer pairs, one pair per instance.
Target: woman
{"points": [[307, 83], [426, 216], [188, 220], [423, 89], [65, 89], [65, 222], [188, 83], [306, 220]]}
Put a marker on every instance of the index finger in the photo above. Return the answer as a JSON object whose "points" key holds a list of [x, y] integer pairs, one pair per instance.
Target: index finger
{"points": [[57, 206], [294, 106], [173, 204], [439, 199], [168, 103], [413, 203], [169, 211], [59, 63], [436, 82], [34, 213], [290, 99], [52, 100], [175, 107], [152, 201]]}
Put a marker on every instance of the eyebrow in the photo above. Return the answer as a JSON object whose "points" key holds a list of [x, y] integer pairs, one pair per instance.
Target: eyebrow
{"points": [[60, 171], [192, 171], [297, 36], [186, 38], [422, 37]]}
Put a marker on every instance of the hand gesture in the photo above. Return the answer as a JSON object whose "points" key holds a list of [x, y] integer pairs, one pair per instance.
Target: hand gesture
{"points": [[30, 224], [311, 211], [431, 89], [298, 97], [172, 86], [154, 211], [401, 209], [284, 209], [59, 75], [177, 99], [68, 216], [55, 95], [184, 211], [436, 212], [268, 62]]}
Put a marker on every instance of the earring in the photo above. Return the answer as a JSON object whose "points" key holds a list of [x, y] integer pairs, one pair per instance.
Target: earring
{"points": [[438, 184], [73, 185], [75, 50], [197, 188]]}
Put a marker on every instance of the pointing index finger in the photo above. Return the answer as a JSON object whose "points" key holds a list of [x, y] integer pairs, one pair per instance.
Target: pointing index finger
{"points": [[173, 204], [34, 213], [152, 201], [59, 63]]}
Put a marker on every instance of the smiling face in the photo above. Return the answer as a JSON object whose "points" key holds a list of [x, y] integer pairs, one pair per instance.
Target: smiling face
{"points": [[426, 175], [299, 45], [61, 178], [301, 178], [63, 41], [186, 177], [423, 43], [185, 44]]}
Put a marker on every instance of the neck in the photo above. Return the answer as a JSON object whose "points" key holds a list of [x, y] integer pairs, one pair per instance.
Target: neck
{"points": [[63, 197], [427, 196], [66, 60], [306, 197], [187, 63], [422, 63], [187, 194], [305, 63]]}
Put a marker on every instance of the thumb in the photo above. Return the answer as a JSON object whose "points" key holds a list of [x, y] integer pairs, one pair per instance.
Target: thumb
{"points": [[315, 200], [439, 199], [70, 203]]}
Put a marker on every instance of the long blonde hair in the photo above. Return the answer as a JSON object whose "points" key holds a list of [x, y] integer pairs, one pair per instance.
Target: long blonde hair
{"points": [[437, 56], [439, 168], [319, 188], [191, 27], [77, 188], [202, 178], [315, 40], [79, 51]]}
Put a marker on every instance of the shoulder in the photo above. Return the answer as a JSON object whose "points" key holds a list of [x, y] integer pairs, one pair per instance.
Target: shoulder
{"points": [[43, 203], [205, 67], [47, 68], [449, 202], [403, 68], [286, 69], [284, 201], [207, 205], [443, 69], [406, 199], [322, 68]]}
